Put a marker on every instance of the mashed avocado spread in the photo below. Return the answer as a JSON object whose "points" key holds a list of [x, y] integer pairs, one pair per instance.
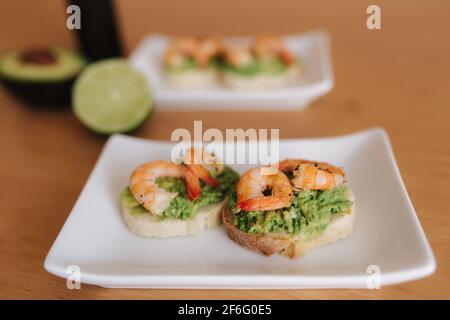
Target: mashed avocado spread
{"points": [[309, 214], [256, 67], [181, 207]]}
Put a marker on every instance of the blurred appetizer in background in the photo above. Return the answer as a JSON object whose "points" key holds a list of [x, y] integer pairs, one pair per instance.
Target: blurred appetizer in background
{"points": [[201, 62], [166, 199], [304, 205], [268, 63], [192, 62]]}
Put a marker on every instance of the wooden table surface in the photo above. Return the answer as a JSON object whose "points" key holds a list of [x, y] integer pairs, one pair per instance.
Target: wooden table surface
{"points": [[397, 78]]}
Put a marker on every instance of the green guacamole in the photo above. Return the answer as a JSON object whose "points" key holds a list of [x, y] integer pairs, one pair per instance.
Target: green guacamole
{"points": [[181, 207], [256, 67], [309, 214]]}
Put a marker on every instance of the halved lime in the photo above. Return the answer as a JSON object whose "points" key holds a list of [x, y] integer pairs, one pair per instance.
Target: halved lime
{"points": [[110, 96]]}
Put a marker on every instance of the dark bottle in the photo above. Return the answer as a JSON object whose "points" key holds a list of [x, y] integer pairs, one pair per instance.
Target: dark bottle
{"points": [[98, 37]]}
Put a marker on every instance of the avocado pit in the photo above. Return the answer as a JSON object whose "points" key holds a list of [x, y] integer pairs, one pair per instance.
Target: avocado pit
{"points": [[39, 56]]}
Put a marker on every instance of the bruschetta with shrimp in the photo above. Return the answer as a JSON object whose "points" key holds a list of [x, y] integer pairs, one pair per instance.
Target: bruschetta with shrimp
{"points": [[267, 63], [166, 199], [191, 62], [303, 205]]}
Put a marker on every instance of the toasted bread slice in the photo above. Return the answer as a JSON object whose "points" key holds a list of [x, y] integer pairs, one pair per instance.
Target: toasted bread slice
{"points": [[148, 225], [290, 245], [195, 78]]}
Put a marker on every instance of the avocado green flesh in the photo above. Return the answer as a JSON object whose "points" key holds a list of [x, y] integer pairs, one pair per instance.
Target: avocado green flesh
{"points": [[309, 214], [257, 67], [181, 207], [67, 65], [254, 67]]}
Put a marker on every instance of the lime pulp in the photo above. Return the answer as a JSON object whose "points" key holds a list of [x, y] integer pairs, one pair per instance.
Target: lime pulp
{"points": [[110, 97]]}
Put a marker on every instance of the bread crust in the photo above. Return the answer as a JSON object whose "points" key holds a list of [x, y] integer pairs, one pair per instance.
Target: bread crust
{"points": [[264, 244], [287, 245]]}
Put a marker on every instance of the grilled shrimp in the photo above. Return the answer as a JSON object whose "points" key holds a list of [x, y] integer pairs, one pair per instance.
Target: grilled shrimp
{"points": [[201, 50], [268, 46], [251, 187], [201, 162], [312, 175], [179, 49], [145, 190]]}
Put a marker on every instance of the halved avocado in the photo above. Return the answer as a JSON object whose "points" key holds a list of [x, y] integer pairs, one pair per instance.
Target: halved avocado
{"points": [[41, 76]]}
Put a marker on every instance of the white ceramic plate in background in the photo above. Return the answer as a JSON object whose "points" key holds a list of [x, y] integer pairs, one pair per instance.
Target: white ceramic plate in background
{"points": [[387, 233], [317, 79]]}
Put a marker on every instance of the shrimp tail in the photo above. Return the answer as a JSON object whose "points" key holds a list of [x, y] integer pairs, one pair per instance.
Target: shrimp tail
{"points": [[204, 175], [264, 203], [286, 56], [288, 165], [192, 185]]}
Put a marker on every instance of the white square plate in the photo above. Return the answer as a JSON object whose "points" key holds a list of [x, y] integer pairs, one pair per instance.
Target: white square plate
{"points": [[387, 233], [316, 80]]}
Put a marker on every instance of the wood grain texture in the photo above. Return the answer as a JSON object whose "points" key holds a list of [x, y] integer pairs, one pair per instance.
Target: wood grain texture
{"points": [[397, 78]]}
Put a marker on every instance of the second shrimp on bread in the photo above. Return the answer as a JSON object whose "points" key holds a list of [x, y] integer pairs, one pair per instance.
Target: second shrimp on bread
{"points": [[304, 205]]}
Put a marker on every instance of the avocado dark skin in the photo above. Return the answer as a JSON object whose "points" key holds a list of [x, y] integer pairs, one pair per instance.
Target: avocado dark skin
{"points": [[41, 94], [50, 93]]}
